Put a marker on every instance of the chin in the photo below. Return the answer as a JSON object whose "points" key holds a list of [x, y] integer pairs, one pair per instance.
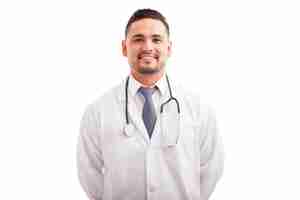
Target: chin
{"points": [[149, 70]]}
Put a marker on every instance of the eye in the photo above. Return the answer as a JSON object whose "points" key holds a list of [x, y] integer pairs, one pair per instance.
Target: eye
{"points": [[157, 40], [138, 40]]}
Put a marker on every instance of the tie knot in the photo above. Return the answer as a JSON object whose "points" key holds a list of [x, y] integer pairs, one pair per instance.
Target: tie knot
{"points": [[147, 92]]}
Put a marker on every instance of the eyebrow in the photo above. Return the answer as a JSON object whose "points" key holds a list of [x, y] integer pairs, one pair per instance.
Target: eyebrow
{"points": [[141, 35]]}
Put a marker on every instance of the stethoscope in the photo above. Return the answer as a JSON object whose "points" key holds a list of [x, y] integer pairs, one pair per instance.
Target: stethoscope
{"points": [[129, 127]]}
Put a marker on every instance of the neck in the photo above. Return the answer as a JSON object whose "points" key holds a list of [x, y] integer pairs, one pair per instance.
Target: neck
{"points": [[147, 80]]}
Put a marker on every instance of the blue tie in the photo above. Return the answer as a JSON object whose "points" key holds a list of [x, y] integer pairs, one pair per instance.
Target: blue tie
{"points": [[149, 116]]}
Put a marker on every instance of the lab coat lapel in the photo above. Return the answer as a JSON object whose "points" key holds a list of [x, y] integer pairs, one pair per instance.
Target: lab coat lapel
{"points": [[134, 117]]}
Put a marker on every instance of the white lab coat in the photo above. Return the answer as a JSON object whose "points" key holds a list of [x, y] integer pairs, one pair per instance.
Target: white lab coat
{"points": [[182, 162]]}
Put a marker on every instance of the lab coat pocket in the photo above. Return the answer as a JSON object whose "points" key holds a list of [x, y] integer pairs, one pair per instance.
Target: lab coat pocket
{"points": [[180, 160], [170, 129]]}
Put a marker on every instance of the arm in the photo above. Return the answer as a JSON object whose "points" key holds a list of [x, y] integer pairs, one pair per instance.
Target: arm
{"points": [[89, 156], [211, 157]]}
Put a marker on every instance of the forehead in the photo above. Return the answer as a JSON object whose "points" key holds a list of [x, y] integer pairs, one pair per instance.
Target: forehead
{"points": [[147, 27]]}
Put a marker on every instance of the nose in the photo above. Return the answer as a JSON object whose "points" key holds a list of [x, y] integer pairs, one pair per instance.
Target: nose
{"points": [[147, 45]]}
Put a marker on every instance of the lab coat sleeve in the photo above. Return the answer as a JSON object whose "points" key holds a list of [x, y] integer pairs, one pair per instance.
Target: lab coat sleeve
{"points": [[89, 156], [211, 156]]}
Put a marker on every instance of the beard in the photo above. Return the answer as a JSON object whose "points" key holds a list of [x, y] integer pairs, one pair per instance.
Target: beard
{"points": [[149, 70]]}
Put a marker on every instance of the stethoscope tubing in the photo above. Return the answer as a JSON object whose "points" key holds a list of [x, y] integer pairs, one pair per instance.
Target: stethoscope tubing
{"points": [[161, 106]]}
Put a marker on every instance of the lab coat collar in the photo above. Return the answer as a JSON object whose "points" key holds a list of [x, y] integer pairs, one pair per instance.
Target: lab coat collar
{"points": [[162, 85]]}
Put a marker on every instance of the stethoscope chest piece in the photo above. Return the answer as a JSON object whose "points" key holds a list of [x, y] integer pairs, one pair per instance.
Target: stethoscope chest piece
{"points": [[128, 130]]}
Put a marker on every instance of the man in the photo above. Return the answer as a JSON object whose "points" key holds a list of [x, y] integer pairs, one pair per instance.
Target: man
{"points": [[148, 138]]}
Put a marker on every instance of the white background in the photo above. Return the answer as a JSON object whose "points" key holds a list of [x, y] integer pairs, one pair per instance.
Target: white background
{"points": [[242, 57]]}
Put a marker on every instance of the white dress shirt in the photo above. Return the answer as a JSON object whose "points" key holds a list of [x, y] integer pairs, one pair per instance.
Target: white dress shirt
{"points": [[157, 96]]}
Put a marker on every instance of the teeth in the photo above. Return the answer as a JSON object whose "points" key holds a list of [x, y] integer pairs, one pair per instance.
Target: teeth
{"points": [[146, 56]]}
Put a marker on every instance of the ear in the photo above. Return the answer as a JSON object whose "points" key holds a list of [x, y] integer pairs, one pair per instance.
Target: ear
{"points": [[170, 48], [124, 48]]}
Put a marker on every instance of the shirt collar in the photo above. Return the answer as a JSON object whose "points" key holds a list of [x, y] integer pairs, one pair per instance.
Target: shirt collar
{"points": [[162, 85], [135, 85]]}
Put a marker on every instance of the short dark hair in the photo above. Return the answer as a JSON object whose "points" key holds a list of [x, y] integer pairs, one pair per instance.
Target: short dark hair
{"points": [[147, 13]]}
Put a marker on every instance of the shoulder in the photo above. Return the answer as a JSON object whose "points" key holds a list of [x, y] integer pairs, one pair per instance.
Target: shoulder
{"points": [[194, 103], [108, 99]]}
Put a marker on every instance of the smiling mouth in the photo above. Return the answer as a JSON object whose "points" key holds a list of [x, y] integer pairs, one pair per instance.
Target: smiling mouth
{"points": [[147, 57]]}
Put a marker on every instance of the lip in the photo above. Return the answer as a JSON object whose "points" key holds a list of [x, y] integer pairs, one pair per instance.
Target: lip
{"points": [[147, 56]]}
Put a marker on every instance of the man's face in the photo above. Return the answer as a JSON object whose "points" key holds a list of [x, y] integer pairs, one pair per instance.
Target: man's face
{"points": [[147, 46]]}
